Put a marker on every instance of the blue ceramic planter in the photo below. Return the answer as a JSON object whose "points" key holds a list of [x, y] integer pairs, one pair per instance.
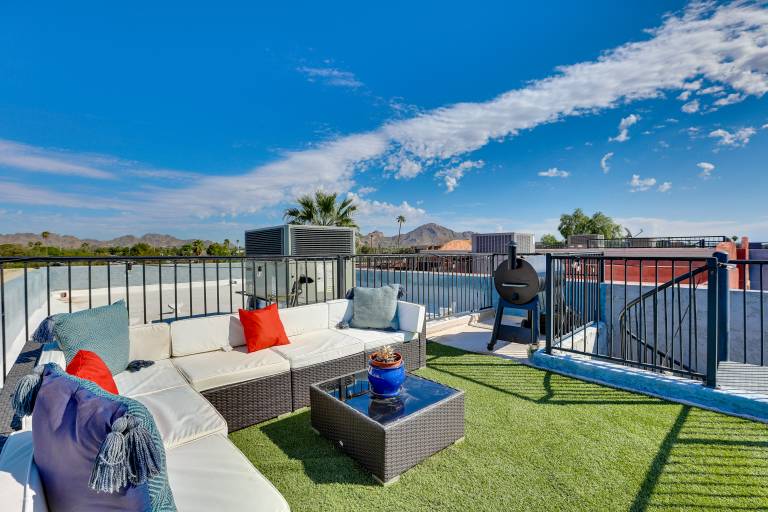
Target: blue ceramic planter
{"points": [[386, 382]]}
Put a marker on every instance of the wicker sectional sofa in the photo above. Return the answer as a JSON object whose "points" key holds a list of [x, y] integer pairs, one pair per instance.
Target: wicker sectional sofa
{"points": [[204, 384]]}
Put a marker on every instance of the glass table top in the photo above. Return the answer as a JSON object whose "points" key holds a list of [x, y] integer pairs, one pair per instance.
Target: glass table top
{"points": [[417, 393]]}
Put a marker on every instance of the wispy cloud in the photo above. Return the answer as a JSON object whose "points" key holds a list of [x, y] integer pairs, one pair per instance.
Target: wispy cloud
{"points": [[665, 187], [554, 172], [35, 159], [362, 191], [381, 214], [331, 76], [18, 193], [624, 125], [604, 165], [638, 184], [452, 175], [691, 107], [706, 169], [738, 138]]}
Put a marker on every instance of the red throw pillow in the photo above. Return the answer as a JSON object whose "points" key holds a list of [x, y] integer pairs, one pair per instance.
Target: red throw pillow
{"points": [[262, 328], [88, 365]]}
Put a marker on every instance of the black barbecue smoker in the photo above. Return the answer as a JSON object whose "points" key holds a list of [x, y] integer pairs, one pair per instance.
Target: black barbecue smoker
{"points": [[518, 285]]}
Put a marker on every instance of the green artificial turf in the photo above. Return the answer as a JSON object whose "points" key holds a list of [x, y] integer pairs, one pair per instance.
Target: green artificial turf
{"points": [[534, 441]]}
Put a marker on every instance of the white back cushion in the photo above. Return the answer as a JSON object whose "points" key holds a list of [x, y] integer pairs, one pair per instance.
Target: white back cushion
{"points": [[339, 311], [198, 335], [150, 341], [301, 319]]}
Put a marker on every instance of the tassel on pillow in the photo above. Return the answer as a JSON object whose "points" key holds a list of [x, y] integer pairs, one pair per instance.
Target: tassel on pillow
{"points": [[126, 455], [26, 392]]}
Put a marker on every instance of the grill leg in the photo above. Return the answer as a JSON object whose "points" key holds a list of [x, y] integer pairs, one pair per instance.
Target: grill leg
{"points": [[496, 325]]}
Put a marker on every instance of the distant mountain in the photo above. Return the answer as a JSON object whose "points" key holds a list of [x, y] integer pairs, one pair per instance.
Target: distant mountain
{"points": [[73, 242], [426, 234]]}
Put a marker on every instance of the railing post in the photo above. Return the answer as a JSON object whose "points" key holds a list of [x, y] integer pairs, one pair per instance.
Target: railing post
{"points": [[341, 277], [712, 322], [550, 318], [723, 307]]}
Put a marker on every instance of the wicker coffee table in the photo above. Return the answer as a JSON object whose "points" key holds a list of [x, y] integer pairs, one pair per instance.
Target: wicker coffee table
{"points": [[387, 437]]}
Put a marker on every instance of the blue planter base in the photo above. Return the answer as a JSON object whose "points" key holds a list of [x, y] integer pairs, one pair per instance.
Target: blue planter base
{"points": [[386, 382]]}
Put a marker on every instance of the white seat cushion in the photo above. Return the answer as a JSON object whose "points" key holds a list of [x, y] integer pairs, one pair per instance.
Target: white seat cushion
{"points": [[205, 334], [318, 347], [212, 474], [182, 415], [20, 487], [374, 338], [213, 369], [161, 375]]}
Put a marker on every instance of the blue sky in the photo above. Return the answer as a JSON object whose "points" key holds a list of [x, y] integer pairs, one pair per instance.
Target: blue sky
{"points": [[202, 122]]}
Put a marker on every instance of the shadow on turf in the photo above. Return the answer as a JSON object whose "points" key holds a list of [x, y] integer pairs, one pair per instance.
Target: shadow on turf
{"points": [[526, 383], [322, 462], [706, 461]]}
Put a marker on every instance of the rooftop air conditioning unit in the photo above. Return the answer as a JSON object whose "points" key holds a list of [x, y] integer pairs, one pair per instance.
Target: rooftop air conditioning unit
{"points": [[298, 264], [300, 240]]}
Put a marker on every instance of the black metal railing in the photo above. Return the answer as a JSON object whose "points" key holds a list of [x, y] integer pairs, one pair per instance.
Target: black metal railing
{"points": [[665, 242], [158, 288], [701, 318], [635, 311], [748, 304], [447, 284]]}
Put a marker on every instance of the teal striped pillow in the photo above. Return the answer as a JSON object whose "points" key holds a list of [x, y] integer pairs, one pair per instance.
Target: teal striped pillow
{"points": [[375, 308], [102, 330]]}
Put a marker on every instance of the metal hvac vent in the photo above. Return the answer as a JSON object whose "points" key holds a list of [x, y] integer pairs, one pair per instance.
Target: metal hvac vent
{"points": [[307, 241], [290, 240], [264, 241]]}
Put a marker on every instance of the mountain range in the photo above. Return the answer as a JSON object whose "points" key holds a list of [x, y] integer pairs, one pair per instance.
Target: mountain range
{"points": [[426, 234], [73, 242]]}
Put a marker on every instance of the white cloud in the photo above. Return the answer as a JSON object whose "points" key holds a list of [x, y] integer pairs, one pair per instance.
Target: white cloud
{"points": [[452, 175], [554, 172], [641, 185], [16, 193], [604, 165], [711, 90], [665, 187], [331, 76], [35, 159], [738, 138], [730, 99], [381, 214], [683, 96], [362, 191], [706, 169], [691, 107], [624, 125]]}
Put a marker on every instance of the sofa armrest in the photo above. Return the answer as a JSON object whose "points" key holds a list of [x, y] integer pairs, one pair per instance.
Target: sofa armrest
{"points": [[52, 354], [20, 485], [410, 316]]}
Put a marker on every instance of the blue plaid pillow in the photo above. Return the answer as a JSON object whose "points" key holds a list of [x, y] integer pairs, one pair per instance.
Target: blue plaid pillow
{"points": [[102, 330], [94, 450], [375, 308]]}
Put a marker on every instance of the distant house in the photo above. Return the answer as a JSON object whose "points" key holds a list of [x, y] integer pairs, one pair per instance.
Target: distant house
{"points": [[456, 246]]}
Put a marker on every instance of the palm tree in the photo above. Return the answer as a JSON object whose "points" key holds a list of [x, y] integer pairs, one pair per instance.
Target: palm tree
{"points": [[198, 247], [45, 235], [322, 210], [400, 221]]}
